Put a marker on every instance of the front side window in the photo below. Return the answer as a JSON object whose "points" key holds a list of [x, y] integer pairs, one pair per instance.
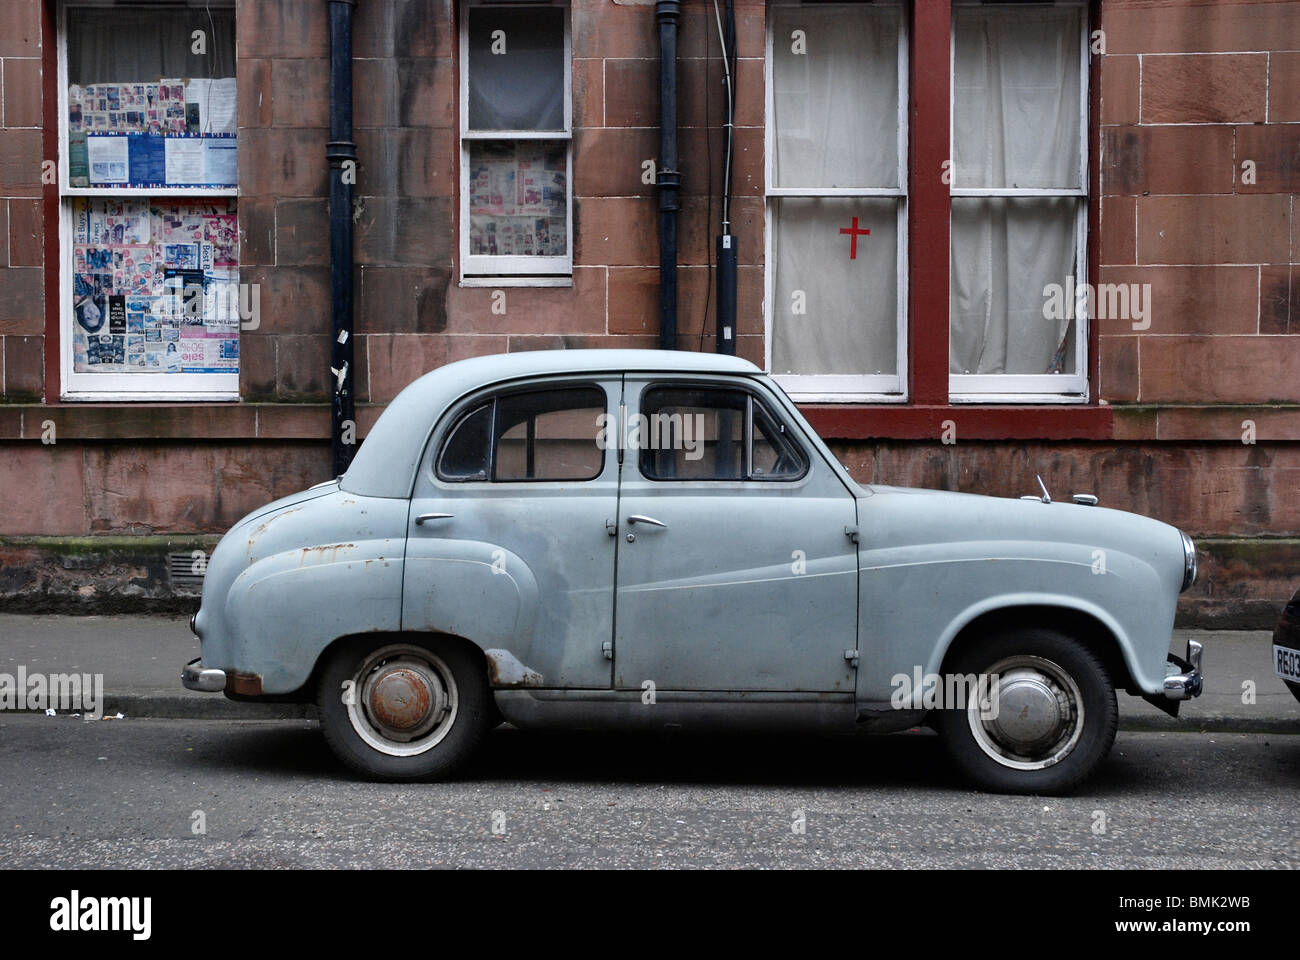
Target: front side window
{"points": [[1018, 200], [713, 433], [551, 434], [150, 291], [516, 156], [836, 199]]}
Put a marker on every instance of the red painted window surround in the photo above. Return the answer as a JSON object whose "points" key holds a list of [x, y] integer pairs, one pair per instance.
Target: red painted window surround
{"points": [[928, 218]]}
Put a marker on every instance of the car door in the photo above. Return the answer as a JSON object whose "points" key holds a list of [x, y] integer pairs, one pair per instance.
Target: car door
{"points": [[509, 538], [737, 563]]}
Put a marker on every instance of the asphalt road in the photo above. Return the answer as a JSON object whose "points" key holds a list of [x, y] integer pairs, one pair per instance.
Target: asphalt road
{"points": [[124, 793]]}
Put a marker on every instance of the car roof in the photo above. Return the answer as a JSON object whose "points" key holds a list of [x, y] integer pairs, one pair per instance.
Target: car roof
{"points": [[385, 464]]}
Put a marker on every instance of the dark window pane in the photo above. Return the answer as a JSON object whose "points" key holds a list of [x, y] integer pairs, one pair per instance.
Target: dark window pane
{"points": [[692, 434], [516, 68], [700, 433], [465, 453], [549, 435], [775, 456]]}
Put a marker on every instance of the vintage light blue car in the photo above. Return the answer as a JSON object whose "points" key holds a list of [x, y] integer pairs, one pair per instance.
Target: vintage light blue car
{"points": [[646, 539]]}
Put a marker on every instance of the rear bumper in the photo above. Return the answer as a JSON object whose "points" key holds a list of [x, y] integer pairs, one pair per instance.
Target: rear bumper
{"points": [[195, 676], [1188, 684]]}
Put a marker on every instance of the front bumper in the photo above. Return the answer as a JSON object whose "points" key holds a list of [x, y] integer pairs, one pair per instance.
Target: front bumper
{"points": [[195, 676], [1188, 684]]}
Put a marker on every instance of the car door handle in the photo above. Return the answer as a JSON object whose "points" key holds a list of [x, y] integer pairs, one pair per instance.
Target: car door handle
{"points": [[420, 520], [642, 518]]}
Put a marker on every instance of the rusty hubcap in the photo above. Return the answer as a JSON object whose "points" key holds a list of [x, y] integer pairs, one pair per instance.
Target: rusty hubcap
{"points": [[400, 698]]}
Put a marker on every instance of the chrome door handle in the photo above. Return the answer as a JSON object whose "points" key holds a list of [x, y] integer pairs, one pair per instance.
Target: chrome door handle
{"points": [[419, 521], [642, 518]]}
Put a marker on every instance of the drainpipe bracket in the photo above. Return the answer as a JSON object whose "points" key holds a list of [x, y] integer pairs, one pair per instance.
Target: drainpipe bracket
{"points": [[337, 151]]}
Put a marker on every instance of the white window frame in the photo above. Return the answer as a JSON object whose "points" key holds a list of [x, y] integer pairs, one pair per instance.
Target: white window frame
{"points": [[117, 386], [519, 271], [811, 388], [1054, 388]]}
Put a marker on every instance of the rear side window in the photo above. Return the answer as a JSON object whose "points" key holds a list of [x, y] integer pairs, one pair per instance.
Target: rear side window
{"points": [[550, 434], [713, 433]]}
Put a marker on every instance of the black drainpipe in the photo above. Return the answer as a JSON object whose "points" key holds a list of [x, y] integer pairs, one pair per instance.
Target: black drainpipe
{"points": [[341, 153], [669, 178]]}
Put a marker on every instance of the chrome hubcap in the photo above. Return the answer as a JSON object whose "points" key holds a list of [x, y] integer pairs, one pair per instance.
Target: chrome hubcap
{"points": [[1038, 717], [404, 700]]}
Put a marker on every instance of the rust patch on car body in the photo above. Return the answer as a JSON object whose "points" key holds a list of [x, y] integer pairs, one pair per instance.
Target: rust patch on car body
{"points": [[505, 670], [244, 684]]}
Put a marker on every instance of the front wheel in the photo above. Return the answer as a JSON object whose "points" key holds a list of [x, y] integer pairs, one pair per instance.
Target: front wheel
{"points": [[1044, 716], [403, 710]]}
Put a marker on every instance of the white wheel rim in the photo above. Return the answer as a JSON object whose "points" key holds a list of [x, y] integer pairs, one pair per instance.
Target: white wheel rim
{"points": [[1040, 713], [403, 700]]}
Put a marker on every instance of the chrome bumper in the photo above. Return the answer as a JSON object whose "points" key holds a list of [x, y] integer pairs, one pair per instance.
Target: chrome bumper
{"points": [[1185, 685], [195, 676]]}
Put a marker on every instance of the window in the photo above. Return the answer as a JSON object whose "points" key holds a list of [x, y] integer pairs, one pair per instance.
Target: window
{"points": [[836, 200], [150, 296], [712, 433], [1019, 201], [516, 126], [548, 434]]}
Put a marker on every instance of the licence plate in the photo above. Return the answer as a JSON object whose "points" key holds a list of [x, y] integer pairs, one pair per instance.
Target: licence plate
{"points": [[1286, 663]]}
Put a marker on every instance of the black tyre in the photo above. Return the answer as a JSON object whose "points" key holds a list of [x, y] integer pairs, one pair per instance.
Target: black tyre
{"points": [[402, 709], [1046, 724]]}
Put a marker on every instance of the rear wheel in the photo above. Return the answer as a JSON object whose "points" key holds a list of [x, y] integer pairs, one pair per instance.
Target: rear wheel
{"points": [[404, 709], [1044, 717]]}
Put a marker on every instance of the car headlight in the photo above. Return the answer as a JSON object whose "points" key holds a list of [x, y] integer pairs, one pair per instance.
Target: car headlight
{"points": [[1189, 562]]}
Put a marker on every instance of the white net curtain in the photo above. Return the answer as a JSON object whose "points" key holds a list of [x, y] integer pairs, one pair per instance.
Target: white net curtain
{"points": [[1016, 125], [835, 95]]}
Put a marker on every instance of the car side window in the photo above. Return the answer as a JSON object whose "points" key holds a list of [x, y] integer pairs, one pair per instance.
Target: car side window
{"points": [[548, 434], [713, 433]]}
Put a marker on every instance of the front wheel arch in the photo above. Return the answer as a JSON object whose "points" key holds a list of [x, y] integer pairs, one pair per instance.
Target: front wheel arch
{"points": [[1078, 625]]}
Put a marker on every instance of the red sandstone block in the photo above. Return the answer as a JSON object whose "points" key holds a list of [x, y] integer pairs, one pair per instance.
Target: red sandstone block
{"points": [[1119, 368], [22, 93], [302, 368], [1230, 229], [20, 163], [285, 28], [24, 367], [405, 299], [26, 233], [579, 309], [1284, 87], [300, 93], [1167, 160], [253, 86], [610, 162], [1219, 26], [1118, 230], [1236, 369], [55, 471], [395, 360], [1189, 300], [283, 162], [1275, 150], [588, 93], [22, 301], [1204, 89], [20, 28], [1120, 89]]}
